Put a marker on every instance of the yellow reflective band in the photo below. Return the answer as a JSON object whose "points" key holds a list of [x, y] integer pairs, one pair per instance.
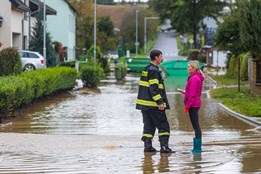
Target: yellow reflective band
{"points": [[148, 135], [144, 73], [144, 83], [161, 86], [156, 97], [147, 103], [153, 81], [164, 133]]}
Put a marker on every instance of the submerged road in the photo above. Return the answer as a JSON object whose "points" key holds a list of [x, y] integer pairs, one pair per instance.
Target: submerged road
{"points": [[99, 131]]}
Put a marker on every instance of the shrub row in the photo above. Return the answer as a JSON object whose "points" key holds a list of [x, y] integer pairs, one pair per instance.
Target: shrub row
{"points": [[10, 62], [22, 89]]}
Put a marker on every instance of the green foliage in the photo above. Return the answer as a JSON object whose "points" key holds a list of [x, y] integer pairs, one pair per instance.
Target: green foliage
{"points": [[240, 102], [244, 66], [101, 61], [225, 80], [10, 62], [128, 29], [228, 34], [105, 2], [16, 91], [249, 24], [36, 42], [232, 69], [105, 25], [187, 16], [91, 75], [68, 64], [233, 66]]}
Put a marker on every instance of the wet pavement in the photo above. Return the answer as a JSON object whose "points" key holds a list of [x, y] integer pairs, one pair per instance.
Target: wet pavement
{"points": [[99, 132]]}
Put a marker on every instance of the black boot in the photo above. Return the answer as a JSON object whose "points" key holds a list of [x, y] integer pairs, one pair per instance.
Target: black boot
{"points": [[148, 145], [164, 145]]}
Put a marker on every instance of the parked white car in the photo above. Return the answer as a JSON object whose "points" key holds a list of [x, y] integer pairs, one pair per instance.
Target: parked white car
{"points": [[31, 60]]}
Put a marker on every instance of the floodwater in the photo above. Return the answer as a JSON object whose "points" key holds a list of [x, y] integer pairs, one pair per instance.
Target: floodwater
{"points": [[99, 132]]}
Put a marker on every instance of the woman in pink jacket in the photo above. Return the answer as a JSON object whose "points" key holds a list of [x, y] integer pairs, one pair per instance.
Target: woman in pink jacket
{"points": [[192, 101]]}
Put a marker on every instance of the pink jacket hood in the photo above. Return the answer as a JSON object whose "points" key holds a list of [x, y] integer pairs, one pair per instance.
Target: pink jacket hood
{"points": [[193, 90]]}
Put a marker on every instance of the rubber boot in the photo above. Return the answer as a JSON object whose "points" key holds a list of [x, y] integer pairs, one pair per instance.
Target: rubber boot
{"points": [[197, 145], [164, 146], [148, 145]]}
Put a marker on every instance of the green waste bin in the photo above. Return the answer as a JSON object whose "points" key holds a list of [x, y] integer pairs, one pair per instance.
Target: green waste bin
{"points": [[118, 73]]}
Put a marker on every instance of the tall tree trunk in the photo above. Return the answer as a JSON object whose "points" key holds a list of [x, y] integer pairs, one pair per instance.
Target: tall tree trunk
{"points": [[238, 74]]}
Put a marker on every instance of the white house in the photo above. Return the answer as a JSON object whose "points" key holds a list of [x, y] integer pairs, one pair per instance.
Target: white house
{"points": [[63, 26]]}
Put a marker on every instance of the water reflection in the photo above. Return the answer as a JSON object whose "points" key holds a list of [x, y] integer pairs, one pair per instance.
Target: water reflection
{"points": [[103, 129]]}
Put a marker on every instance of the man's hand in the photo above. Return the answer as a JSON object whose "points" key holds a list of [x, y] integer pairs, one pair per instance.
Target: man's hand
{"points": [[161, 106]]}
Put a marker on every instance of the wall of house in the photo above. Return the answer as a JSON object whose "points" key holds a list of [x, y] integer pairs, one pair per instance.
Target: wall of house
{"points": [[12, 32], [252, 76], [62, 26], [5, 30]]}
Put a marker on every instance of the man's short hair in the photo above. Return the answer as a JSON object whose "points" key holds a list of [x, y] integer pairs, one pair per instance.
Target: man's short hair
{"points": [[154, 54]]}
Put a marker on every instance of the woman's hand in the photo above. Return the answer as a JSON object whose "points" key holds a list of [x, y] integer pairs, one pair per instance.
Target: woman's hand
{"points": [[186, 111]]}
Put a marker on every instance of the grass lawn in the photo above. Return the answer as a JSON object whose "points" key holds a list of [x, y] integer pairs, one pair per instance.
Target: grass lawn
{"points": [[241, 102], [224, 80]]}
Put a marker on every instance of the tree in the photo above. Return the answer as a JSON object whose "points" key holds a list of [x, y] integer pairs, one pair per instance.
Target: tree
{"points": [[187, 16], [250, 26], [36, 42], [228, 37], [240, 31], [84, 24]]}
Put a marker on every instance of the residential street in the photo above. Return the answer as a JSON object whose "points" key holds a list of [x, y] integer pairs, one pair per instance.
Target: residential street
{"points": [[99, 131]]}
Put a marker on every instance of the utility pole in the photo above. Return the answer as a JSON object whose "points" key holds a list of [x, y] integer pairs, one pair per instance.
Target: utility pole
{"points": [[44, 34], [145, 34], [137, 43], [94, 44]]}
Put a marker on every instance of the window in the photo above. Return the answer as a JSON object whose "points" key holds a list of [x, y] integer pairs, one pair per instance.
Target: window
{"points": [[31, 55]]}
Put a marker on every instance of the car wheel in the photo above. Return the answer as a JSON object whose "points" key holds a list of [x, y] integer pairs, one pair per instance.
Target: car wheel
{"points": [[29, 67]]}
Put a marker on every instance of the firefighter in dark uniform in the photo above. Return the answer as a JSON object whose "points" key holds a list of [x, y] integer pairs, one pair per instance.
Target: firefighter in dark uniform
{"points": [[152, 101]]}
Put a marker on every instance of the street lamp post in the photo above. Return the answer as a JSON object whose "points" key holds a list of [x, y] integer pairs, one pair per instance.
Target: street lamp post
{"points": [[94, 44], [145, 35], [137, 43], [44, 34]]}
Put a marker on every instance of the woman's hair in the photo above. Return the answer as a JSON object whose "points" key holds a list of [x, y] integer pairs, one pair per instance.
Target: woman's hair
{"points": [[194, 64]]}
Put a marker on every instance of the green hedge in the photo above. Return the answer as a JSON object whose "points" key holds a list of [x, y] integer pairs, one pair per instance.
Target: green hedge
{"points": [[91, 75], [16, 91], [10, 62], [233, 66]]}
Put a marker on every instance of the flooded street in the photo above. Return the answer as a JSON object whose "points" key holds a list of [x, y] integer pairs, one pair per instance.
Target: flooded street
{"points": [[99, 132]]}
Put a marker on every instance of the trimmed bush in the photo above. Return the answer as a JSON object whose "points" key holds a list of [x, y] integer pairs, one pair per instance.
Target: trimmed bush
{"points": [[10, 62], [91, 75]]}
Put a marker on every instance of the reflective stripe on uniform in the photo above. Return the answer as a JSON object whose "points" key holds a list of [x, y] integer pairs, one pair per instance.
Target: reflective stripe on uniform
{"points": [[148, 135], [153, 81], [156, 97], [164, 133], [144, 83], [147, 103]]}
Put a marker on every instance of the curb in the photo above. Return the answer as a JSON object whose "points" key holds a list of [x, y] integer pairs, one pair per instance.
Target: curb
{"points": [[244, 118]]}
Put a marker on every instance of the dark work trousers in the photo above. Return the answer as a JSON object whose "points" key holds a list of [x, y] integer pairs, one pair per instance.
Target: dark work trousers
{"points": [[153, 119], [193, 114]]}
